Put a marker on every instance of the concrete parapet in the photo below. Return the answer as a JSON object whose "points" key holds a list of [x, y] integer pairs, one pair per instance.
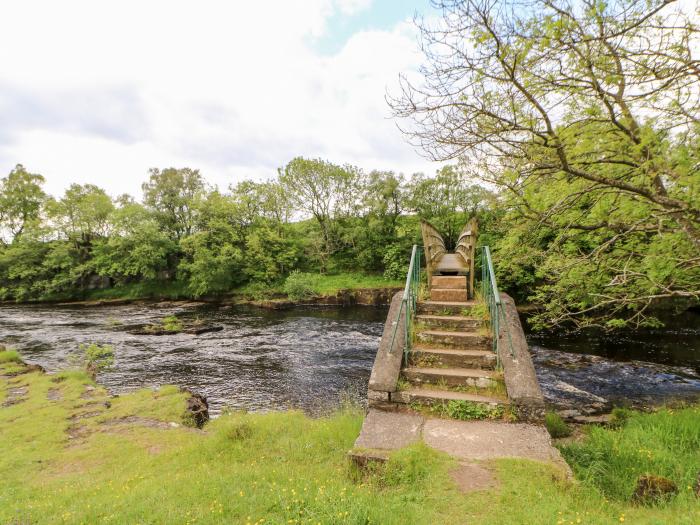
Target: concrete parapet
{"points": [[522, 386], [387, 363]]}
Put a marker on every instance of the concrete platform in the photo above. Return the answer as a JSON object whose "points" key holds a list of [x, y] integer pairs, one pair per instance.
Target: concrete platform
{"points": [[384, 432]]}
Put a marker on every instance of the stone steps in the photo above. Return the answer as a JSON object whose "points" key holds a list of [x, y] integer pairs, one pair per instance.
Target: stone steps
{"points": [[450, 322], [458, 340], [450, 308], [453, 358], [427, 396], [448, 294], [449, 281], [451, 377]]}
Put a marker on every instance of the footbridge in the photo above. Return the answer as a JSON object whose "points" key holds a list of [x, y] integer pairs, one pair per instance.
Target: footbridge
{"points": [[453, 366]]}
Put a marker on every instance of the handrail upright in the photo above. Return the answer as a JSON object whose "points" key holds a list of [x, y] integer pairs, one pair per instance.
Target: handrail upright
{"points": [[409, 301]]}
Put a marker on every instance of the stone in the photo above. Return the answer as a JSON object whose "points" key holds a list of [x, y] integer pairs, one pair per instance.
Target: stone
{"points": [[389, 430], [653, 489], [697, 485], [197, 408], [376, 395]]}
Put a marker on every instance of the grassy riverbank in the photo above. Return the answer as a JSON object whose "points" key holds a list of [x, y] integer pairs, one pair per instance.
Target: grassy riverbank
{"points": [[68, 458], [324, 285]]}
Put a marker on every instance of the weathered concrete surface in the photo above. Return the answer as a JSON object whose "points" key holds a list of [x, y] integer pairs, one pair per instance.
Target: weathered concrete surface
{"points": [[387, 363], [389, 430], [384, 432], [489, 439], [523, 388]]}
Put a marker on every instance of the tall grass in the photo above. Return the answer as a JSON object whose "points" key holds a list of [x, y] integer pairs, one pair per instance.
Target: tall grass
{"points": [[665, 443]]}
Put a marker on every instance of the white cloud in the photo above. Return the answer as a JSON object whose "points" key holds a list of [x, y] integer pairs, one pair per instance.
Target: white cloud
{"points": [[353, 6], [97, 92]]}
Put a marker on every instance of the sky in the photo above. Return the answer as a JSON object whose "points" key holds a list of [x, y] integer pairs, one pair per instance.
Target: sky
{"points": [[99, 92]]}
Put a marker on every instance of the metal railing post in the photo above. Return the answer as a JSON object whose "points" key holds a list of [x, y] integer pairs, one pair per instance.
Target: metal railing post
{"points": [[409, 301], [492, 298]]}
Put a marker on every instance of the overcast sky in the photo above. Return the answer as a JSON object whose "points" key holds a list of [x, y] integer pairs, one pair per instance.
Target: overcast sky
{"points": [[99, 92]]}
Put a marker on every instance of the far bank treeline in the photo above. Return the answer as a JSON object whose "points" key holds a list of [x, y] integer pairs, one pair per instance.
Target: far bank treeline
{"points": [[193, 240], [187, 239]]}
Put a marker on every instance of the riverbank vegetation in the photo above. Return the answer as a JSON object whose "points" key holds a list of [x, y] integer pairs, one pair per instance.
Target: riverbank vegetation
{"points": [[79, 455]]}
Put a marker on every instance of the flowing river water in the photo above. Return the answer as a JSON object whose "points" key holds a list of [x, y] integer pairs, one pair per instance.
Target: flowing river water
{"points": [[312, 358]]}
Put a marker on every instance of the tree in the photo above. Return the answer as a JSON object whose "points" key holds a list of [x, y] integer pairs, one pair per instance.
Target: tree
{"points": [[326, 191], [137, 249], [587, 115], [448, 200], [173, 195], [81, 215], [21, 199]]}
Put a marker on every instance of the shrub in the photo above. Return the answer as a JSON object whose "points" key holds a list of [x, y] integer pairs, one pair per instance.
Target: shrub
{"points": [[396, 261], [97, 358], [300, 285], [259, 291], [556, 426]]}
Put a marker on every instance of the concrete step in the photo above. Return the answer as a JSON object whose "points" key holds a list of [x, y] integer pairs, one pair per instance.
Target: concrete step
{"points": [[447, 294], [449, 357], [458, 340], [450, 322], [451, 376], [457, 282], [445, 307], [427, 396]]}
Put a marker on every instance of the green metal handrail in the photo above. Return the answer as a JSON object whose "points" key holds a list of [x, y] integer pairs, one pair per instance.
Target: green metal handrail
{"points": [[490, 294], [408, 302]]}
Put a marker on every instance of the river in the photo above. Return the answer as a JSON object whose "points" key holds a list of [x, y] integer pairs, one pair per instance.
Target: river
{"points": [[312, 358]]}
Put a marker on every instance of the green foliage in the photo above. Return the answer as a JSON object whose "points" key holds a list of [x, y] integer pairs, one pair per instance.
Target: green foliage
{"points": [[665, 443], [556, 426], [21, 200], [415, 464], [277, 467], [396, 262], [96, 357], [172, 324], [9, 356], [299, 285], [467, 410]]}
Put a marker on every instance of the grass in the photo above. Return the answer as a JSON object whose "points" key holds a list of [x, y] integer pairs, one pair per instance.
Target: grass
{"points": [[665, 443], [464, 410], [321, 285], [556, 426], [284, 467], [324, 285], [9, 356]]}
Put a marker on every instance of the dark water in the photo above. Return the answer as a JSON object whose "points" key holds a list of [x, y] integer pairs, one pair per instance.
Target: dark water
{"points": [[304, 358], [593, 371], [311, 357]]}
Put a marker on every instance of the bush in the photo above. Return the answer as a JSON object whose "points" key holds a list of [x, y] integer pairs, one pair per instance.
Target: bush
{"points": [[396, 261], [97, 358], [300, 285], [259, 291], [556, 426]]}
